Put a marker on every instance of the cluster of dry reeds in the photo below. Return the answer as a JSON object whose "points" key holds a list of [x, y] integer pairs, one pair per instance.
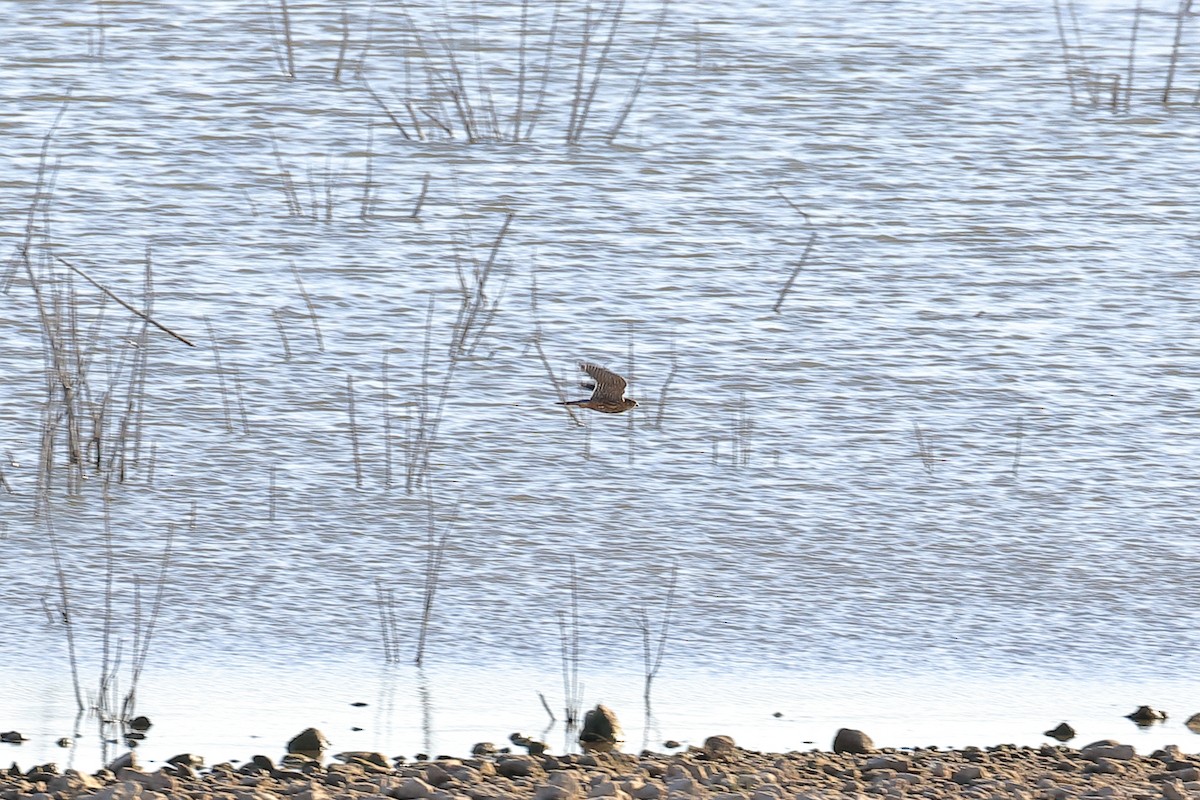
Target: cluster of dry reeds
{"points": [[92, 424], [565, 64], [1091, 84]]}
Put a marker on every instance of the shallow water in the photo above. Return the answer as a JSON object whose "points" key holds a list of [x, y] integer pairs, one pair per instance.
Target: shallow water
{"points": [[944, 495]]}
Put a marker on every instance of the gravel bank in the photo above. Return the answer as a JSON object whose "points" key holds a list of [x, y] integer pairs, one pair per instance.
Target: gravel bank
{"points": [[720, 772]]}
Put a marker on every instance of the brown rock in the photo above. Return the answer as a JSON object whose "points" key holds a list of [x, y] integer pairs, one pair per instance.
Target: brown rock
{"points": [[601, 732], [969, 774], [1062, 733], [849, 740], [410, 789], [720, 747]]}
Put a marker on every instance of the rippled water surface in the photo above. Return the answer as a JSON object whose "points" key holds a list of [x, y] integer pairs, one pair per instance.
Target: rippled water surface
{"points": [[946, 493]]}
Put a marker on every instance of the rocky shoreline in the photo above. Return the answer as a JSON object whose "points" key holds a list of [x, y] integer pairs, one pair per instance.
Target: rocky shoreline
{"points": [[718, 771]]}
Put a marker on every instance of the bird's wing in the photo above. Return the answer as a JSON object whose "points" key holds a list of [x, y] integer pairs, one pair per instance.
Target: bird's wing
{"points": [[609, 385]]}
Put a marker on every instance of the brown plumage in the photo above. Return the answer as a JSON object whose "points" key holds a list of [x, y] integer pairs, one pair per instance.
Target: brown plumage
{"points": [[608, 391]]}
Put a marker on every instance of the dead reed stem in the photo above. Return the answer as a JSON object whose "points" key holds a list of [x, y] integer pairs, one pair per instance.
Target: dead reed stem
{"points": [[544, 85], [630, 375], [640, 80], [1133, 34], [285, 19], [434, 556], [143, 639], [655, 637], [290, 196], [368, 169], [1185, 8], [475, 314], [924, 450], [312, 310], [387, 111], [354, 449], [386, 403], [581, 66], [568, 633], [416, 212], [662, 394], [1016, 462], [521, 68], [787, 286], [341, 58], [537, 344], [388, 629], [271, 493], [216, 352], [598, 71], [283, 339], [64, 599], [1066, 52]]}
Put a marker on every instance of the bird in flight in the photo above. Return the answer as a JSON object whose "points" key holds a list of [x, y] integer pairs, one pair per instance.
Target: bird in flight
{"points": [[608, 391]]}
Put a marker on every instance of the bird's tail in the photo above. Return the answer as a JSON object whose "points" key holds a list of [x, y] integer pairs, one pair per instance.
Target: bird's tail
{"points": [[571, 403]]}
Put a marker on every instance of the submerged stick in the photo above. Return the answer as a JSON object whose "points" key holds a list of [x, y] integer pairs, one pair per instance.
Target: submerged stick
{"points": [[123, 304], [812, 237], [640, 80]]}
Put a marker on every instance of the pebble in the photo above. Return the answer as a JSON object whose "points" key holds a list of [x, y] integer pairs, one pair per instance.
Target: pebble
{"points": [[1102, 770]]}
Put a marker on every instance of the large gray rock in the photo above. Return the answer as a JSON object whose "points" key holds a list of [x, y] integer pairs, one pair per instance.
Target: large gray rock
{"points": [[1107, 748], [309, 742], [601, 732], [849, 740]]}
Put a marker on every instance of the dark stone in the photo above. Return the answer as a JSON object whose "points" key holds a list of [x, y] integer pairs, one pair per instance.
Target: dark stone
{"points": [[514, 767], [12, 737], [309, 742], [849, 740], [120, 762], [601, 732], [140, 723], [262, 762], [359, 704], [1145, 715], [1062, 733], [533, 746]]}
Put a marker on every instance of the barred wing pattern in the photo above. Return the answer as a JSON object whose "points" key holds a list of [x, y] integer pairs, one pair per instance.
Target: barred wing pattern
{"points": [[610, 387]]}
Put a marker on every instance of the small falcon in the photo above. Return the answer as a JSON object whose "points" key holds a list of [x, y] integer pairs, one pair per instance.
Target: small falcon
{"points": [[608, 391]]}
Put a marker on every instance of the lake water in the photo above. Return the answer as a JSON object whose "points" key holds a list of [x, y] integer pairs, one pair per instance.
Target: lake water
{"points": [[946, 493]]}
